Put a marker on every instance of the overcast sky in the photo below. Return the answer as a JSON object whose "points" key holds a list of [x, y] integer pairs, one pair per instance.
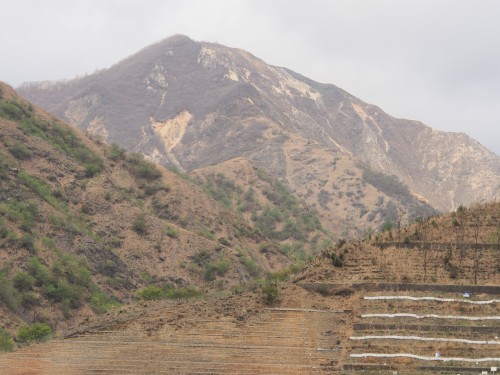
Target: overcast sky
{"points": [[437, 61]]}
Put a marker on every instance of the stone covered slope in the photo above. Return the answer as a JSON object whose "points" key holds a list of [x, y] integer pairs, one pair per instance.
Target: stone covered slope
{"points": [[194, 104]]}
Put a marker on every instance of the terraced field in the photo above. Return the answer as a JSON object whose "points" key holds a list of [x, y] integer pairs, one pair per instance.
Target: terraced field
{"points": [[377, 329], [271, 341], [445, 333]]}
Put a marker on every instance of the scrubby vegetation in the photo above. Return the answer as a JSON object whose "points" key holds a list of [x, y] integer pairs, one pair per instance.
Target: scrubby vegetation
{"points": [[393, 187], [270, 293], [166, 291], [6, 343], [280, 217], [34, 332], [59, 135]]}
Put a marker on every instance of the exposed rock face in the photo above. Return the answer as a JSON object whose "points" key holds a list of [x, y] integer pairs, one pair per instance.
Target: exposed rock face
{"points": [[193, 104]]}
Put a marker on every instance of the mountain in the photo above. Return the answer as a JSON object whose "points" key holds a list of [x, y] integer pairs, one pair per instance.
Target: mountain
{"points": [[387, 303], [192, 105], [85, 226]]}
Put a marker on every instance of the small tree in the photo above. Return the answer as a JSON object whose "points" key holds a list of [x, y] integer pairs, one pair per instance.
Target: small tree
{"points": [[35, 332], [270, 293]]}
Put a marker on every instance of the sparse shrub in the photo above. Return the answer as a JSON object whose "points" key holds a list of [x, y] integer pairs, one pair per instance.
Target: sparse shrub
{"points": [[152, 189], [142, 168], [201, 257], [150, 293], [337, 258], [20, 151], [224, 241], [251, 266], [100, 302], [38, 187], [27, 242], [8, 295], [139, 224], [11, 110], [38, 271], [324, 290], [23, 281], [212, 269], [281, 275], [24, 213], [6, 343], [116, 152], [270, 293], [28, 299], [35, 332], [167, 292], [172, 233], [387, 226], [342, 291], [92, 169], [177, 293], [205, 233]]}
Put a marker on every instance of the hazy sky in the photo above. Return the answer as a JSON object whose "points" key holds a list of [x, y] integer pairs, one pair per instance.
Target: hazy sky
{"points": [[437, 61]]}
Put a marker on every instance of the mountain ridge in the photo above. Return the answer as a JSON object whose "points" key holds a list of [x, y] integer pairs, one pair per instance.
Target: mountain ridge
{"points": [[194, 104]]}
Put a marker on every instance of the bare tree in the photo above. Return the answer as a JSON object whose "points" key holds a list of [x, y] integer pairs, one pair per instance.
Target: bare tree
{"points": [[423, 231], [477, 219], [460, 229]]}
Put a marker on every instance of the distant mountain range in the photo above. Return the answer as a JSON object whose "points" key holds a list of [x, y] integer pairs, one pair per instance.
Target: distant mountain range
{"points": [[193, 105]]}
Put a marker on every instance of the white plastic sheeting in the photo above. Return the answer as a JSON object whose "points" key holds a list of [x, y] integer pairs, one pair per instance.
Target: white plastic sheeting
{"points": [[407, 315], [418, 338], [424, 358], [409, 298]]}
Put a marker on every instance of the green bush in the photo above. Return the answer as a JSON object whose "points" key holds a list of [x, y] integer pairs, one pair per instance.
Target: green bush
{"points": [[139, 224], [172, 233], [150, 293], [23, 281], [116, 152], [101, 303], [8, 295], [35, 332], [38, 271], [251, 266], [27, 242], [324, 290], [92, 169], [222, 189], [39, 187], [142, 168], [212, 269], [24, 213], [270, 293], [201, 257], [167, 292], [6, 343], [177, 293], [59, 135], [20, 151]]}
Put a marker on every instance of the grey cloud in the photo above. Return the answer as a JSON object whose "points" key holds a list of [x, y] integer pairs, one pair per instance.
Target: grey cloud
{"points": [[434, 61]]}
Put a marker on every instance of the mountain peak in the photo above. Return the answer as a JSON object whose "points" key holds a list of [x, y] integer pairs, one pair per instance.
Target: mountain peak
{"points": [[195, 104]]}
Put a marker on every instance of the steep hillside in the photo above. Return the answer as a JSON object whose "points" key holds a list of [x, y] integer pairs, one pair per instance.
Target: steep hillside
{"points": [[85, 226], [191, 105], [363, 307]]}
